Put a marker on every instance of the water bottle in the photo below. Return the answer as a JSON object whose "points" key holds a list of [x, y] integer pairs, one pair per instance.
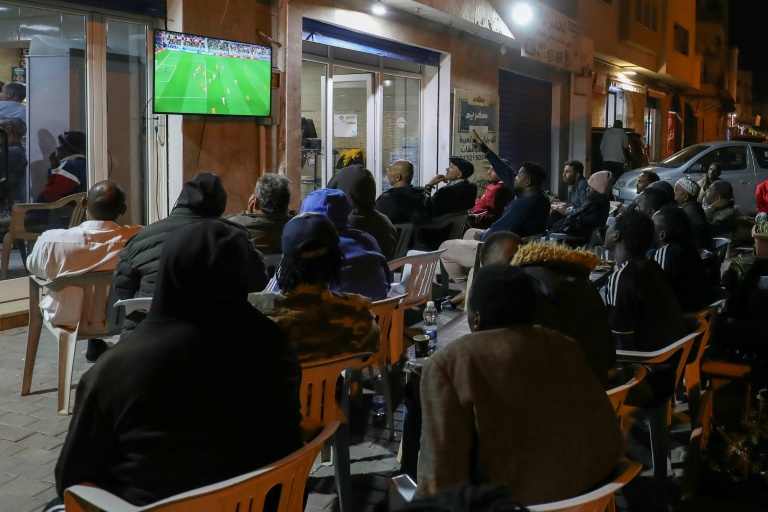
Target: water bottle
{"points": [[430, 326], [379, 400]]}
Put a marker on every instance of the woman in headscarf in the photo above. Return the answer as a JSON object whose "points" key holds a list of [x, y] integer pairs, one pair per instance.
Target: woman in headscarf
{"points": [[205, 389]]}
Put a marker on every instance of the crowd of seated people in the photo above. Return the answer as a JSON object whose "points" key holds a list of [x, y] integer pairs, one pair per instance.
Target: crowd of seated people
{"points": [[539, 327]]}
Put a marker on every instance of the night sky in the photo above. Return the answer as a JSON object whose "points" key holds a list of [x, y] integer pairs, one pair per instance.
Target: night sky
{"points": [[748, 23]]}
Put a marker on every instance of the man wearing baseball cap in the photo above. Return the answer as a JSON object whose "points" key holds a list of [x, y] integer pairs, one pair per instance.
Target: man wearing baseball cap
{"points": [[68, 173], [319, 323], [591, 215], [459, 196]]}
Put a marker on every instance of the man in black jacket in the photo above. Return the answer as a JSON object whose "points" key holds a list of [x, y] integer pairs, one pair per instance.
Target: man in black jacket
{"points": [[402, 203], [591, 215], [458, 196], [203, 196]]}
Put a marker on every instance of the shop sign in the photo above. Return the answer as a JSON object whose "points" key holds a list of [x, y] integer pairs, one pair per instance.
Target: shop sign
{"points": [[474, 112], [19, 75], [671, 124], [552, 38]]}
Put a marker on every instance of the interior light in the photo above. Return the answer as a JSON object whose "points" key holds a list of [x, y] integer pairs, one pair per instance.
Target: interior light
{"points": [[387, 83], [378, 9], [630, 72], [522, 13]]}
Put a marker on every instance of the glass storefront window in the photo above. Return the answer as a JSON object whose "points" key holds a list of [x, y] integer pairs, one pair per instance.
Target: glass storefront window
{"points": [[401, 125], [313, 78]]}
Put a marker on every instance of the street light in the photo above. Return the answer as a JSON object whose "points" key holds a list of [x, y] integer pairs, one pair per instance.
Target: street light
{"points": [[522, 14], [378, 9]]}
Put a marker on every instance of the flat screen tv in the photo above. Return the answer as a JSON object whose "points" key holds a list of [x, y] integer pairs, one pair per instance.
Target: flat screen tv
{"points": [[203, 75]]}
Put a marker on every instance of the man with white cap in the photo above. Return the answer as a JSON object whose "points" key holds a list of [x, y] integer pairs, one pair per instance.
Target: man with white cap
{"points": [[591, 215], [686, 197]]}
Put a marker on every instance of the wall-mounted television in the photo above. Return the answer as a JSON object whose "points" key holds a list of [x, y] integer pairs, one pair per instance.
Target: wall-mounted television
{"points": [[204, 75]]}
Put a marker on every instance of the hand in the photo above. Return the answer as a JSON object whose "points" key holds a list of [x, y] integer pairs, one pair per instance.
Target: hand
{"points": [[561, 208], [437, 179], [478, 143], [719, 203], [55, 162], [252, 208]]}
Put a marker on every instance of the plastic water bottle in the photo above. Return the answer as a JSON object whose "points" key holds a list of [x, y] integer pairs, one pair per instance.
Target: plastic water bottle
{"points": [[379, 400], [430, 326]]}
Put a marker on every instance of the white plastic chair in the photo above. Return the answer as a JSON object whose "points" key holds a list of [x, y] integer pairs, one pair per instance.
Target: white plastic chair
{"points": [[384, 311], [98, 318], [246, 492], [318, 403], [692, 370], [599, 500], [658, 416], [419, 269], [134, 304]]}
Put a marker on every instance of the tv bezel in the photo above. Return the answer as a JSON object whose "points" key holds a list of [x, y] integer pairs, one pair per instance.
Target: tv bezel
{"points": [[239, 116]]}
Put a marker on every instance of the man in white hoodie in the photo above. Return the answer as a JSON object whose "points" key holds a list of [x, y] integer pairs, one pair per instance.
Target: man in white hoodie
{"points": [[614, 147]]}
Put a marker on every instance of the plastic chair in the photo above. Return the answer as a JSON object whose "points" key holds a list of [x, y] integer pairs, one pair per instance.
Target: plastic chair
{"points": [[692, 370], [98, 318], [135, 304], [721, 248], [445, 227], [318, 403], [272, 263], [404, 235], [418, 290], [599, 500], [18, 231], [238, 494], [658, 416], [627, 378], [384, 311]]}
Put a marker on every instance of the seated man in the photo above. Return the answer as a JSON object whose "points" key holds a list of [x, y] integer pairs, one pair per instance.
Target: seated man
{"points": [[15, 190], [203, 196], [651, 200], [581, 222], [137, 429], [68, 173], [491, 204], [267, 212], [92, 246], [402, 203], [645, 179], [686, 195], [573, 176], [721, 212], [320, 323], [365, 270], [761, 199], [642, 308], [713, 175], [360, 188], [541, 423], [568, 302], [677, 255], [665, 187], [458, 196]]}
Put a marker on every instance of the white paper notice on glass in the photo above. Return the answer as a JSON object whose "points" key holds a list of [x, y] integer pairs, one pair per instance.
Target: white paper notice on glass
{"points": [[345, 125]]}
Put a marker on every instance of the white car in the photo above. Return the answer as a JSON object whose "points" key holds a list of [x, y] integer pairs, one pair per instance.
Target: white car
{"points": [[744, 164]]}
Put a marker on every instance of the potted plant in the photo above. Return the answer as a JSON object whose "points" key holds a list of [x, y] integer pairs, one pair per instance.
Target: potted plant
{"points": [[760, 234]]}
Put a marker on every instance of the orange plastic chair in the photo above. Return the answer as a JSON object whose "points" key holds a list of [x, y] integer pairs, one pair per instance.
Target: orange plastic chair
{"points": [[246, 492], [618, 394], [384, 311], [318, 403], [599, 500], [692, 373]]}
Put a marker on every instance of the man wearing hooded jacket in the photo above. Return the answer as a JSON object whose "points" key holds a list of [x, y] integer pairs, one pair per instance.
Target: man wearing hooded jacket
{"points": [[203, 196]]}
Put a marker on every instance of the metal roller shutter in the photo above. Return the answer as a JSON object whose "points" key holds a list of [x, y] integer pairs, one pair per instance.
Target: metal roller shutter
{"points": [[525, 119]]}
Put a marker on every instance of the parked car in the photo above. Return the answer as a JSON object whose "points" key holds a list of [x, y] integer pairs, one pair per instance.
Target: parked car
{"points": [[744, 164], [637, 154]]}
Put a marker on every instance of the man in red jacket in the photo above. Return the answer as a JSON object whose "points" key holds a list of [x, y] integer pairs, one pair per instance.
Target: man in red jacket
{"points": [[489, 206]]}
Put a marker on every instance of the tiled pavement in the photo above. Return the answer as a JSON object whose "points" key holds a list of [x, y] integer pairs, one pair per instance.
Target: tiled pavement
{"points": [[32, 433]]}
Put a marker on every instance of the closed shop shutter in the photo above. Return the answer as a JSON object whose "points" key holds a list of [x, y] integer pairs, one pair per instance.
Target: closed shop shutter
{"points": [[525, 119]]}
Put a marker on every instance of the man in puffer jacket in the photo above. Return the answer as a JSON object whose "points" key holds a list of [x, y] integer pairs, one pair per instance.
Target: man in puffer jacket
{"points": [[203, 196], [365, 271]]}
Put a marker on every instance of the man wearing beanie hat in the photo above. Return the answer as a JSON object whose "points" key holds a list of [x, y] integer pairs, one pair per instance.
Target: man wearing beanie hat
{"points": [[68, 173], [203, 196], [319, 323], [582, 221], [686, 197], [459, 196]]}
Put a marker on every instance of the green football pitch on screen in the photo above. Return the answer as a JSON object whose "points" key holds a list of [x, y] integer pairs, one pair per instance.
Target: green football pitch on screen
{"points": [[195, 83]]}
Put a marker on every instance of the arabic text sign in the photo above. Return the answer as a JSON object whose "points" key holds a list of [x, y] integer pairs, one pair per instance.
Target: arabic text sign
{"points": [[553, 38], [474, 112]]}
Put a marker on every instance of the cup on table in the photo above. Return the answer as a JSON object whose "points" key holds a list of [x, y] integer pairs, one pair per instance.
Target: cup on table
{"points": [[421, 345]]}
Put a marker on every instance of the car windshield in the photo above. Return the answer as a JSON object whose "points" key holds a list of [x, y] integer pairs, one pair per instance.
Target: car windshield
{"points": [[682, 157]]}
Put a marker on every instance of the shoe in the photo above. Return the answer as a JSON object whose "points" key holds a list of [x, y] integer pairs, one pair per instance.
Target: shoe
{"points": [[96, 347], [446, 305]]}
